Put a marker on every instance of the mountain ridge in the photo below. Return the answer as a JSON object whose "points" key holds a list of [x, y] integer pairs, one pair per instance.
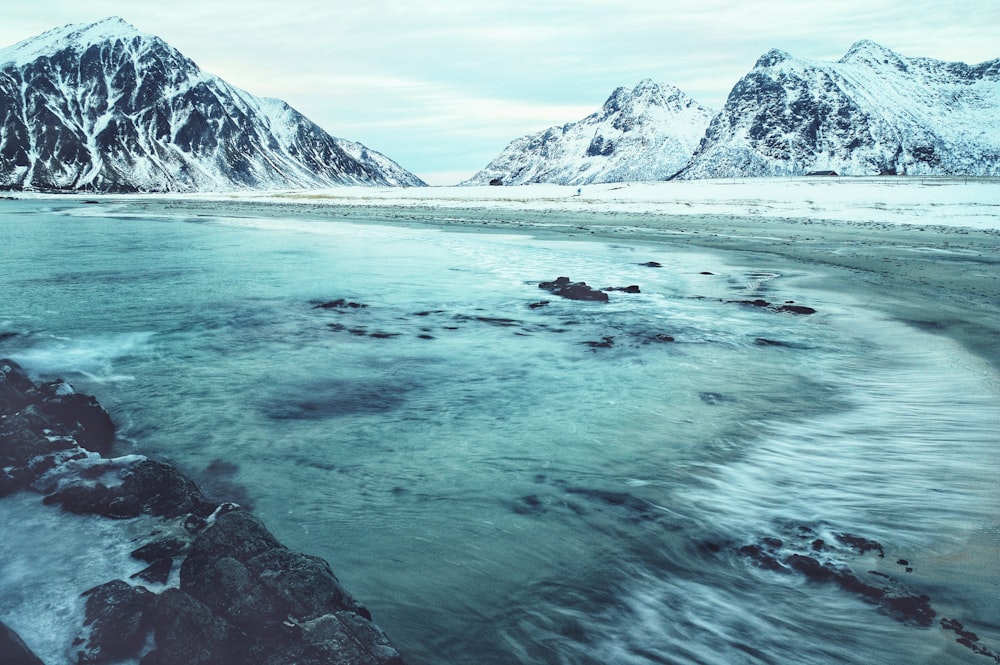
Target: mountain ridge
{"points": [[105, 107], [871, 112], [645, 133]]}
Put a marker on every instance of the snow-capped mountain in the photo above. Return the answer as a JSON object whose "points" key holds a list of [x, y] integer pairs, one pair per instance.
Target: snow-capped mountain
{"points": [[872, 112], [646, 133], [104, 107]]}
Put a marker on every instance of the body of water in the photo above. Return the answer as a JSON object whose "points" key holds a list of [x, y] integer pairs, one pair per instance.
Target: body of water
{"points": [[505, 481]]}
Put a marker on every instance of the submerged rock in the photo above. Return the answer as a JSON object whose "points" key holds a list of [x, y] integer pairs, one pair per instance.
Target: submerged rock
{"points": [[813, 559]]}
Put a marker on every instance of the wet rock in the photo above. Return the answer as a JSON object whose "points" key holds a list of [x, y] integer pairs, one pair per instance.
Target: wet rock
{"points": [[537, 305], [186, 631], [606, 343], [142, 486], [862, 545], [633, 288], [763, 341], [245, 577], [661, 337], [13, 650], [344, 637], [340, 303], [117, 620], [787, 308], [244, 597], [968, 639], [651, 264], [795, 309], [564, 288], [156, 573], [80, 416], [773, 554]]}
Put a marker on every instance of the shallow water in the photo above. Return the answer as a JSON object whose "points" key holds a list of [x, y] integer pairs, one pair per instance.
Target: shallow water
{"points": [[508, 484]]}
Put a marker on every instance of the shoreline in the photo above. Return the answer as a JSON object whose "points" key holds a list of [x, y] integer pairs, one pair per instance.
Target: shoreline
{"points": [[925, 250], [937, 277]]}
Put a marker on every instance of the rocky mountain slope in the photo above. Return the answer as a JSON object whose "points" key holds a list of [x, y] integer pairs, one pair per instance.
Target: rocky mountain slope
{"points": [[646, 133], [871, 112], [104, 107]]}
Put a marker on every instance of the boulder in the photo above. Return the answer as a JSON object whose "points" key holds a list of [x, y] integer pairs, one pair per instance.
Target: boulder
{"points": [[128, 487], [79, 416], [13, 650], [289, 606], [189, 633], [117, 621]]}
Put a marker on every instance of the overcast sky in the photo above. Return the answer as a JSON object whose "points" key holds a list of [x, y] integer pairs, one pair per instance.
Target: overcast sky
{"points": [[441, 86]]}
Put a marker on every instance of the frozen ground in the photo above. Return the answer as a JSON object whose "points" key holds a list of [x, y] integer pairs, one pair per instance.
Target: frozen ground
{"points": [[966, 202]]}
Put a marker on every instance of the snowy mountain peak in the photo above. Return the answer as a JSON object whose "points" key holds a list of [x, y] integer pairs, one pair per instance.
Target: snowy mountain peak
{"points": [[867, 52], [105, 107], [871, 112], [772, 58], [74, 36], [643, 133]]}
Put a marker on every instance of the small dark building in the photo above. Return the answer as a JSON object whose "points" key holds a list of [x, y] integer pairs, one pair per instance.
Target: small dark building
{"points": [[834, 173]]}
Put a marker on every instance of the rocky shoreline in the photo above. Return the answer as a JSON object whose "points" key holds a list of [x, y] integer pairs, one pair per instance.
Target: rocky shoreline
{"points": [[230, 592]]}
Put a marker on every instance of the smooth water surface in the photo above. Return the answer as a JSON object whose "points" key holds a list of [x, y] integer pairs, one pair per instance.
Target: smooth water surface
{"points": [[507, 482]]}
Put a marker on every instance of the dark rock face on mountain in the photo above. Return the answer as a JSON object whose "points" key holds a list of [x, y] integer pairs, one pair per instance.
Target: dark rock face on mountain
{"points": [[106, 108], [646, 133], [873, 112], [240, 596]]}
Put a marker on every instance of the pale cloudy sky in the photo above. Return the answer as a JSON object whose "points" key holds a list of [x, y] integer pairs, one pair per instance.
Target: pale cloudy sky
{"points": [[441, 86]]}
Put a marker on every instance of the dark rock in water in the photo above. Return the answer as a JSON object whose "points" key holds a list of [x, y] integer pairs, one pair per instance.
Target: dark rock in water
{"points": [[13, 650], [862, 545], [763, 341], [787, 308], [651, 264], [536, 305], [968, 639], [244, 576], [186, 631], [661, 337], [145, 486], [759, 302], [633, 288], [342, 637], [795, 309], [156, 573], [770, 554], [14, 387], [606, 343], [562, 287], [81, 415], [244, 597], [340, 303], [117, 620]]}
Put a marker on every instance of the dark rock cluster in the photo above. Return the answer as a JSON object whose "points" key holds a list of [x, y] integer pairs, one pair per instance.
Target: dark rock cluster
{"points": [[239, 596]]}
